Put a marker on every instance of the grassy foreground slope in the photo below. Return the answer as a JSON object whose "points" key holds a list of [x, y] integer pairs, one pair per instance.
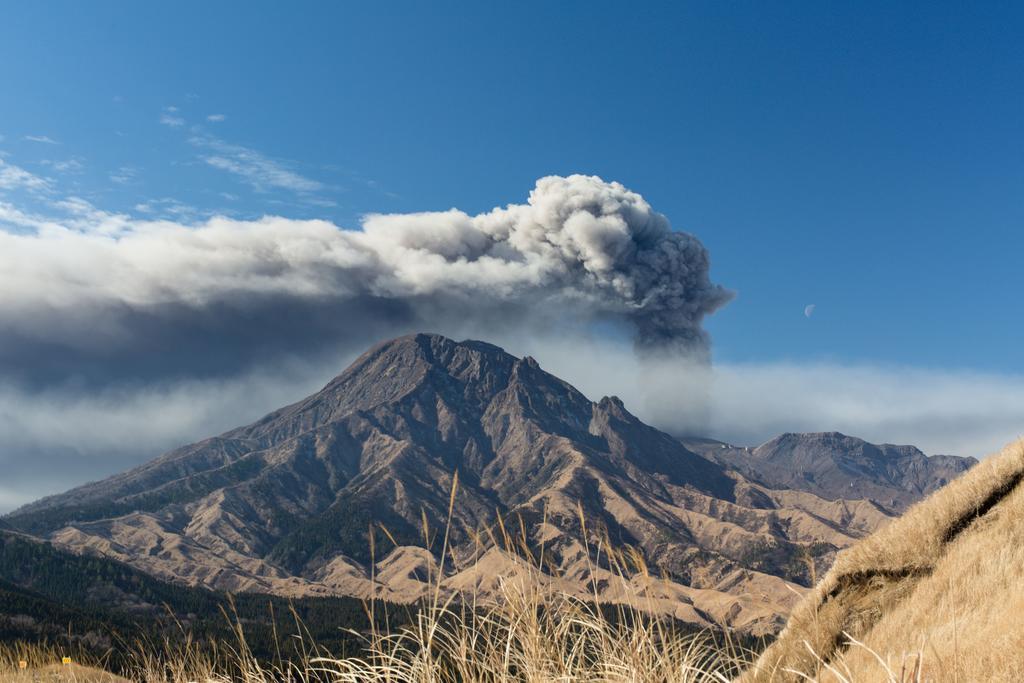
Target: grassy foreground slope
{"points": [[938, 593]]}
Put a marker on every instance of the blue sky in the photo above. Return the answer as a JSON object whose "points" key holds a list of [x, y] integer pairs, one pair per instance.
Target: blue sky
{"points": [[866, 158], [863, 157]]}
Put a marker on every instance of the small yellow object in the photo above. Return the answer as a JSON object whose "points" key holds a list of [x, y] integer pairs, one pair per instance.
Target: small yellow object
{"points": [[66, 660], [22, 664]]}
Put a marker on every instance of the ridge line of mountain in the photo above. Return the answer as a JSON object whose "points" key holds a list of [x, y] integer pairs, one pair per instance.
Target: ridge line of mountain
{"points": [[286, 504]]}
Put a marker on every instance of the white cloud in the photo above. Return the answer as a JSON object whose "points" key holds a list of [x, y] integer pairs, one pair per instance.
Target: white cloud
{"points": [[83, 217], [318, 201], [216, 118], [171, 120], [581, 249], [41, 139], [72, 165], [14, 178], [167, 207], [259, 171], [124, 175]]}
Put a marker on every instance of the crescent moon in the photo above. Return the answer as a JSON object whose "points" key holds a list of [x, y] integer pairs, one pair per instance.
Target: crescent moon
{"points": [[809, 310]]}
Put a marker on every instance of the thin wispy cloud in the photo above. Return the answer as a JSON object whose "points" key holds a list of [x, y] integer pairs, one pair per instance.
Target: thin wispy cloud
{"points": [[319, 201], [44, 139], [16, 178], [171, 120], [125, 175], [72, 165], [216, 118], [167, 208], [257, 170]]}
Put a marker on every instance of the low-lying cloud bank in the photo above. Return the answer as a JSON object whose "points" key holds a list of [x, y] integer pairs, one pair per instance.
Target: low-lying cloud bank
{"points": [[940, 411], [52, 440]]}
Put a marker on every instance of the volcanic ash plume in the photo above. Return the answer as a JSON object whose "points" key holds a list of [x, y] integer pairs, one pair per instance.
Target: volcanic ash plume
{"points": [[580, 242], [104, 298]]}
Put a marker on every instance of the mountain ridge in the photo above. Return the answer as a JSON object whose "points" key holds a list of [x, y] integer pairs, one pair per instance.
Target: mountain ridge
{"points": [[288, 504], [835, 466]]}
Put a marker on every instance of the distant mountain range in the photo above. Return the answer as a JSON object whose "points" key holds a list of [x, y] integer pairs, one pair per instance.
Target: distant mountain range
{"points": [[835, 466], [287, 505]]}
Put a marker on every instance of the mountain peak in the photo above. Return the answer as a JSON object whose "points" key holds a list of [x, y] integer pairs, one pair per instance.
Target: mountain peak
{"points": [[286, 504]]}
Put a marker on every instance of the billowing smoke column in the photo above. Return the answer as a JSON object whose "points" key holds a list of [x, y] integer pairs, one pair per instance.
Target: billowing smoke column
{"points": [[109, 297], [591, 244]]}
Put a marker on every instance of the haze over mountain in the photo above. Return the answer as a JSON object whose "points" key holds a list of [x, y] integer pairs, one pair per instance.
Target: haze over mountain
{"points": [[286, 504]]}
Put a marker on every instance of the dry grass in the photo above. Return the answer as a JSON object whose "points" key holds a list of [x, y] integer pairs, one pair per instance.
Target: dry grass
{"points": [[529, 636], [934, 596], [45, 663]]}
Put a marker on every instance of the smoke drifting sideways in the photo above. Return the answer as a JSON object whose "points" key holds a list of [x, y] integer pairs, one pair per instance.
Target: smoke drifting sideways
{"points": [[158, 300]]}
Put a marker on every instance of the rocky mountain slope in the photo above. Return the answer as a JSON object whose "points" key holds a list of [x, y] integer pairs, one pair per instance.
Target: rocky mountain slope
{"points": [[835, 466], [937, 594], [348, 492]]}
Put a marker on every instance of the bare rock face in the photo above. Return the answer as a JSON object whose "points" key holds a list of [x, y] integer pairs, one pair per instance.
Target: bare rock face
{"points": [[348, 492]]}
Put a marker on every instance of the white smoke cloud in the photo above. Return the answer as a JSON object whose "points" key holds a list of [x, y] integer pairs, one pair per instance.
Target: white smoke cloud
{"points": [[581, 249]]}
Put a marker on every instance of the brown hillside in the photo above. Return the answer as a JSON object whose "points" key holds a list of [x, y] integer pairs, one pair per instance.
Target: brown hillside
{"points": [[943, 586], [284, 505]]}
